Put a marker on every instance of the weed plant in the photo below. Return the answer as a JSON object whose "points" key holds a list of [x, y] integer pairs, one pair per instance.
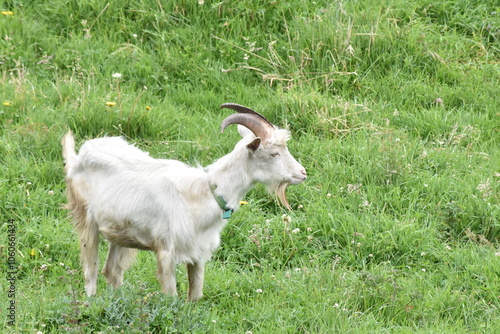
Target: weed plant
{"points": [[394, 110]]}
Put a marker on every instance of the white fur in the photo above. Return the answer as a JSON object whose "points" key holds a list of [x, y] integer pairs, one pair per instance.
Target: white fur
{"points": [[165, 206]]}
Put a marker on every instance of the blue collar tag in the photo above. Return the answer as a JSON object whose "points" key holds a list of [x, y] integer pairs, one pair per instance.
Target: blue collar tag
{"points": [[227, 214]]}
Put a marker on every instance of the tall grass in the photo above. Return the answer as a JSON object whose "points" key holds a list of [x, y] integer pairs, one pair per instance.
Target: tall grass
{"points": [[393, 107]]}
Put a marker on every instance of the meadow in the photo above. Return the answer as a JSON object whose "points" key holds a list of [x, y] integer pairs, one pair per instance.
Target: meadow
{"points": [[394, 112]]}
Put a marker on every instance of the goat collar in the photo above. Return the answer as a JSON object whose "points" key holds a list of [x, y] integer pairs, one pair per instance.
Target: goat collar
{"points": [[226, 211]]}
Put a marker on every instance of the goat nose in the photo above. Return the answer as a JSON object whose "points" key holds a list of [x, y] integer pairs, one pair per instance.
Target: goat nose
{"points": [[303, 171]]}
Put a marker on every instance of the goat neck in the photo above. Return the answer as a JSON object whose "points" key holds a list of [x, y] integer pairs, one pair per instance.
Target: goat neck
{"points": [[228, 177]]}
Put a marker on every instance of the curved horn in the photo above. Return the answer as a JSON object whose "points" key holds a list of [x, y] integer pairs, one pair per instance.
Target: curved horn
{"points": [[245, 110], [253, 122]]}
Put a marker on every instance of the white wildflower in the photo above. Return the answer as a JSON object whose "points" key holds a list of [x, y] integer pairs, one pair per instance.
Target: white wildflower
{"points": [[485, 188], [350, 50], [365, 205], [353, 188]]}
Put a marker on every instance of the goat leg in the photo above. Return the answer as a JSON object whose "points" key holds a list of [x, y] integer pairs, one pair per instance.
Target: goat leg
{"points": [[89, 246], [166, 272], [118, 260], [196, 273]]}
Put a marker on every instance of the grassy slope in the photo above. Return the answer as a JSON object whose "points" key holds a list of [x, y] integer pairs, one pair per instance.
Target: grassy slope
{"points": [[394, 111]]}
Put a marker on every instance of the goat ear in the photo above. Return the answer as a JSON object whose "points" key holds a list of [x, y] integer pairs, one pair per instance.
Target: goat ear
{"points": [[254, 145]]}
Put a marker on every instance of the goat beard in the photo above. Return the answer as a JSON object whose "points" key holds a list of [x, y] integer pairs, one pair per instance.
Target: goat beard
{"points": [[280, 191]]}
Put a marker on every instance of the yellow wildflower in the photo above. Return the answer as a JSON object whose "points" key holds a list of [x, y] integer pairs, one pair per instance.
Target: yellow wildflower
{"points": [[243, 203], [7, 103], [33, 253], [148, 108], [7, 12], [110, 104]]}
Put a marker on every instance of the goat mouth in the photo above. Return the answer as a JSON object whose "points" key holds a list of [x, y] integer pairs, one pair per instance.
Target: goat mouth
{"points": [[298, 179]]}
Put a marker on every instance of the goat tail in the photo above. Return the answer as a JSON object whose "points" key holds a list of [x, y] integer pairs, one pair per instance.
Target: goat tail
{"points": [[69, 152]]}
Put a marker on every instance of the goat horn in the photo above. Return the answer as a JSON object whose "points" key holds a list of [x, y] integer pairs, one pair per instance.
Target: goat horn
{"points": [[245, 110], [253, 122], [249, 118]]}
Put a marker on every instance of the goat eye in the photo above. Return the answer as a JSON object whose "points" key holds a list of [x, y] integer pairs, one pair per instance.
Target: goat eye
{"points": [[274, 155]]}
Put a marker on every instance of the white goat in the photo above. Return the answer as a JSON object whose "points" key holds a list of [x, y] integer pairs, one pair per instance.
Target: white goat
{"points": [[178, 211]]}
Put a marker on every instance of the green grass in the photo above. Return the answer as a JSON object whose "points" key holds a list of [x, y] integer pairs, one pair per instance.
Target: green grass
{"points": [[394, 110]]}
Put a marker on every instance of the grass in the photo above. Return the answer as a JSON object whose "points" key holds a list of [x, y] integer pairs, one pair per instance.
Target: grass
{"points": [[394, 112]]}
